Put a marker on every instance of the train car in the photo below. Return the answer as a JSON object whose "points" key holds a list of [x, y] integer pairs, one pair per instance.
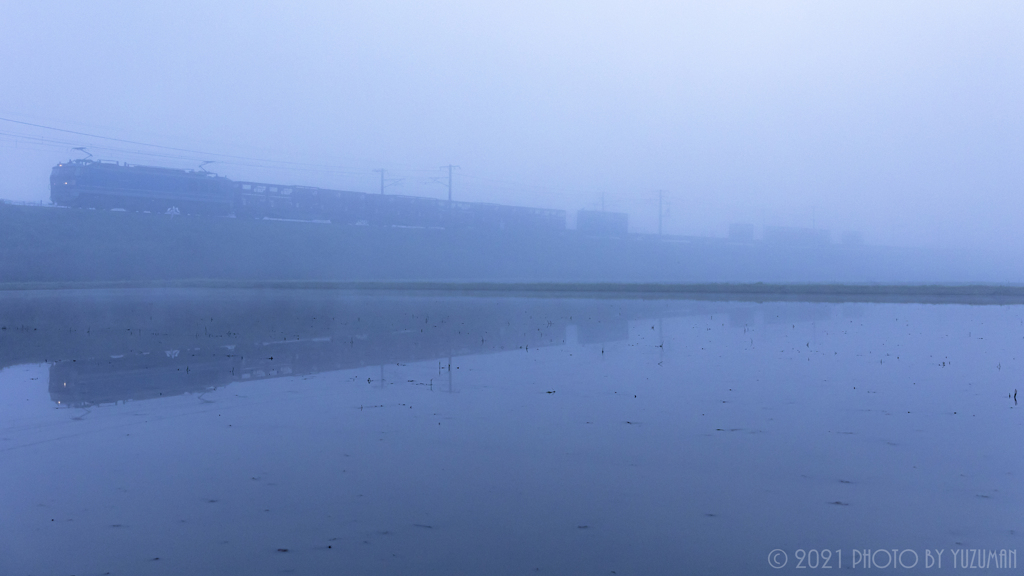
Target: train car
{"points": [[433, 213], [409, 211], [520, 218], [258, 200], [600, 223], [113, 185], [262, 200]]}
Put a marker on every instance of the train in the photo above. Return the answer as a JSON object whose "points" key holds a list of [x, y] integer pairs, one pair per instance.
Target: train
{"points": [[121, 186]]}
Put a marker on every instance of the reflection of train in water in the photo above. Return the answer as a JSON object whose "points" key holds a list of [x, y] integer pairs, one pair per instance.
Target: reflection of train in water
{"points": [[112, 185], [132, 347], [106, 347]]}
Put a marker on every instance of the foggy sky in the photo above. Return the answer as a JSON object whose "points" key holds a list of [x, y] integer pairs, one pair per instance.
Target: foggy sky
{"points": [[899, 119]]}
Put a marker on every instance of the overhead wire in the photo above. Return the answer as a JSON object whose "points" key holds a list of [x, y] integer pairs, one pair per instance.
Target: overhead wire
{"points": [[64, 144], [264, 163], [171, 148]]}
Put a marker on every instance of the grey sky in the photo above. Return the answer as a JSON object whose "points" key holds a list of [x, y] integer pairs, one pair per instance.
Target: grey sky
{"points": [[900, 119]]}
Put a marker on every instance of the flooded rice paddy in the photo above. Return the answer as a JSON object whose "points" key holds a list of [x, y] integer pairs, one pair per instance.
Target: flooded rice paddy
{"points": [[267, 432]]}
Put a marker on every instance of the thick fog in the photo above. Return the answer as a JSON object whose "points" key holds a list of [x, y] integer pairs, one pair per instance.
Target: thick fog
{"points": [[706, 267], [900, 120]]}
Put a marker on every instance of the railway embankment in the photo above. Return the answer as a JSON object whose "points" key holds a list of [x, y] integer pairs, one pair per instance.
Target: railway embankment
{"points": [[59, 245]]}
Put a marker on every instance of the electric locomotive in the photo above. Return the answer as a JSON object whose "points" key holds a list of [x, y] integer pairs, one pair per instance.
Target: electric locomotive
{"points": [[112, 185]]}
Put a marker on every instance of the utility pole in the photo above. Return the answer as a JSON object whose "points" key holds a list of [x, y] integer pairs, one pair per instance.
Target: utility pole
{"points": [[449, 167], [385, 182]]}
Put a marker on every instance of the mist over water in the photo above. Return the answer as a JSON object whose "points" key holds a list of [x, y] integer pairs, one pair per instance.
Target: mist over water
{"points": [[497, 435]]}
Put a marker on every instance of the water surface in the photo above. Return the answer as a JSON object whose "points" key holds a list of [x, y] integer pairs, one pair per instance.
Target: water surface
{"points": [[264, 432]]}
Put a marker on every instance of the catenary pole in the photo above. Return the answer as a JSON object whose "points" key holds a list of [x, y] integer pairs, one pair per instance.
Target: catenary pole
{"points": [[450, 167]]}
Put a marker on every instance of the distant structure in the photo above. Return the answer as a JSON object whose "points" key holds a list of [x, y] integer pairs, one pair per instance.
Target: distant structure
{"points": [[741, 232], [852, 238], [792, 236], [598, 222]]}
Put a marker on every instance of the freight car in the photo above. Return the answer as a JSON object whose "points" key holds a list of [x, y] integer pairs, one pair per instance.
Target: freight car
{"points": [[601, 223], [256, 200], [110, 185]]}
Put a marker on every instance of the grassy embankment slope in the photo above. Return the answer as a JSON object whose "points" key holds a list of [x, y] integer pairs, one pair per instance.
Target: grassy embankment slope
{"points": [[62, 245], [52, 246]]}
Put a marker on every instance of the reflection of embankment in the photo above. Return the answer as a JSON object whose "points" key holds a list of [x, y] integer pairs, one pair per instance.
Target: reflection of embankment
{"points": [[118, 345], [363, 342], [110, 346]]}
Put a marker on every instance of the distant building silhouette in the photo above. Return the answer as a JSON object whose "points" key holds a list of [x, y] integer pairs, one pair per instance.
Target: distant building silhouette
{"points": [[792, 236], [741, 232], [853, 238]]}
